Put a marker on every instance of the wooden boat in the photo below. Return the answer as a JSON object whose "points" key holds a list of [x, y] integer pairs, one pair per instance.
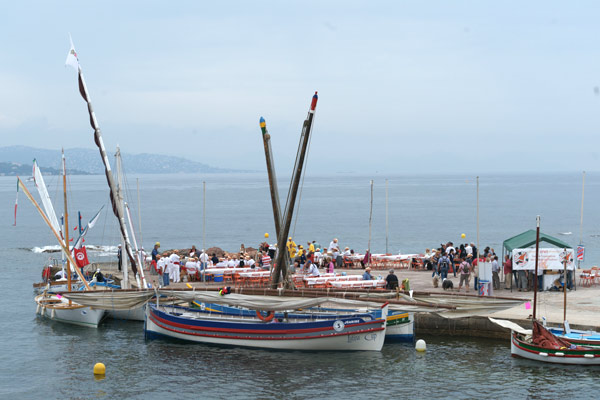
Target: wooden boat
{"points": [[57, 308], [543, 346], [400, 327], [347, 332], [400, 324], [575, 336]]}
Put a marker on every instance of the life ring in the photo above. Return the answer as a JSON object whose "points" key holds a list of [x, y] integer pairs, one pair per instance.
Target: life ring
{"points": [[268, 318]]}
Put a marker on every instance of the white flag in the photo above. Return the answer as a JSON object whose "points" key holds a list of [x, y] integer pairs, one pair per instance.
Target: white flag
{"points": [[72, 59]]}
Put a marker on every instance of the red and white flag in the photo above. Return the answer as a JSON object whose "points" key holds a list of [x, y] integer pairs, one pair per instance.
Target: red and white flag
{"points": [[72, 58], [81, 257]]}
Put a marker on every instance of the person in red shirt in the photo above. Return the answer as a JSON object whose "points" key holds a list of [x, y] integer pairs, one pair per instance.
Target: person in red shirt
{"points": [[507, 272]]}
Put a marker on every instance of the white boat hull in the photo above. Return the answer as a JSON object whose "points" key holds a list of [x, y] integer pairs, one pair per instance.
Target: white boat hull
{"points": [[58, 309], [400, 331], [132, 314], [517, 350]]}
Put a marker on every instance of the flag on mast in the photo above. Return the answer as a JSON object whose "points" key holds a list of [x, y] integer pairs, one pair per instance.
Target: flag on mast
{"points": [[72, 59]]}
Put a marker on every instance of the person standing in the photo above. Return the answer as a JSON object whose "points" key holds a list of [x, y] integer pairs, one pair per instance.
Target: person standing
{"points": [[174, 265], [203, 260], [443, 265], [464, 269], [119, 258], [507, 272], [332, 245], [266, 261], [496, 273]]}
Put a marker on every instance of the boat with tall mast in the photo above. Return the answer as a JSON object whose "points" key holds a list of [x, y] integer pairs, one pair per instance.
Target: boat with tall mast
{"points": [[539, 343], [55, 306]]}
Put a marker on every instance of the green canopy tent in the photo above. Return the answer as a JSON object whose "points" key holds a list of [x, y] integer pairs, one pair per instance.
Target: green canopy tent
{"points": [[527, 239]]}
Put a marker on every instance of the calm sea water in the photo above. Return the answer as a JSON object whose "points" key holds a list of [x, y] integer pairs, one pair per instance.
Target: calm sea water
{"points": [[43, 359]]}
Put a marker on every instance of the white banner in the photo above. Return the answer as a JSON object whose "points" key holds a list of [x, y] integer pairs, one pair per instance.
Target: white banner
{"points": [[550, 259]]}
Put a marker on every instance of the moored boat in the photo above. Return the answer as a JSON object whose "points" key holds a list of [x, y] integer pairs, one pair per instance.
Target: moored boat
{"points": [[364, 331], [543, 346], [58, 308]]}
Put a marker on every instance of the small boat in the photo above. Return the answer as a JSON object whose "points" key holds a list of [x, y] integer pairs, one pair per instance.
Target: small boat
{"points": [[57, 308], [575, 336], [542, 345], [346, 332], [400, 324], [400, 327]]}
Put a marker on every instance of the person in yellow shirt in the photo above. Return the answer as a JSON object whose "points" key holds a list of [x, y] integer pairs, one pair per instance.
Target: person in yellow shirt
{"points": [[300, 251], [311, 247], [291, 248]]}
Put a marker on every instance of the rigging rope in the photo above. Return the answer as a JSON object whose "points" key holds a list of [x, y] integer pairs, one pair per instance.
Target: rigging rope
{"points": [[302, 184]]}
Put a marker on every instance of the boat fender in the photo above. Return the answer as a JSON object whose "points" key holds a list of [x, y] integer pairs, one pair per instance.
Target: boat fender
{"points": [[267, 318], [43, 311], [52, 314], [37, 310]]}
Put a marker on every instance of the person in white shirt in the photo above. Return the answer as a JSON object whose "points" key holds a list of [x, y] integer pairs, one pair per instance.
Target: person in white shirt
{"points": [[469, 249], [161, 268], [230, 262], [311, 269], [192, 266], [249, 263], [333, 245], [174, 268], [203, 260], [346, 252], [317, 257], [142, 255]]}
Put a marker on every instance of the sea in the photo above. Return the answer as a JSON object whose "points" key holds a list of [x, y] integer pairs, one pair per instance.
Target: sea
{"points": [[407, 214]]}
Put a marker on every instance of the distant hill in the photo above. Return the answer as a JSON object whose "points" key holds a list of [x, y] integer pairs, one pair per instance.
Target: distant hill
{"points": [[25, 170], [87, 161]]}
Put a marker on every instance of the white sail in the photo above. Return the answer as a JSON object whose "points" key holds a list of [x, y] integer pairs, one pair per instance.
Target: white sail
{"points": [[38, 179]]}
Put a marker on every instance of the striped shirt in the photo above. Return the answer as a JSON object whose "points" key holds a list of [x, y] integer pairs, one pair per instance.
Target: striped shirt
{"points": [[266, 261]]}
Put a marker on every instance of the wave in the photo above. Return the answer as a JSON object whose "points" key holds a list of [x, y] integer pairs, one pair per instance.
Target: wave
{"points": [[99, 251], [565, 233]]}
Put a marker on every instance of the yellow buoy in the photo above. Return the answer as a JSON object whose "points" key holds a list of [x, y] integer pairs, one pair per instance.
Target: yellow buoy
{"points": [[99, 369], [421, 346], [266, 235], [463, 235]]}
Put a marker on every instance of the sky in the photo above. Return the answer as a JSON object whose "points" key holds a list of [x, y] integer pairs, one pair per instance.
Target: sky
{"points": [[405, 87]]}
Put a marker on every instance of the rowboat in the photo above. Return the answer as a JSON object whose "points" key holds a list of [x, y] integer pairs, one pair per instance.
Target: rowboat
{"points": [[575, 336], [57, 308], [542, 345], [346, 332], [400, 326]]}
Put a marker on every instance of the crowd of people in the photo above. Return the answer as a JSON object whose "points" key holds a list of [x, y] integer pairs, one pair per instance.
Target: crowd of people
{"points": [[462, 260]]}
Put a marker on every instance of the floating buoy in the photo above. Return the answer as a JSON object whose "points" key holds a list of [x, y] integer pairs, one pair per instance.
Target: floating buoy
{"points": [[52, 313], [99, 369], [266, 235], [421, 346], [462, 235]]}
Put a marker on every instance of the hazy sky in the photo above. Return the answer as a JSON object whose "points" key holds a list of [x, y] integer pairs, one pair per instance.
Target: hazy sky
{"points": [[404, 86]]}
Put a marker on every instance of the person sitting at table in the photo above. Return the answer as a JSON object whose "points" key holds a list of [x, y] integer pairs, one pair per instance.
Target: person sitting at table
{"points": [[311, 269], [330, 266], [295, 267], [214, 259], [367, 275], [391, 281], [249, 263]]}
